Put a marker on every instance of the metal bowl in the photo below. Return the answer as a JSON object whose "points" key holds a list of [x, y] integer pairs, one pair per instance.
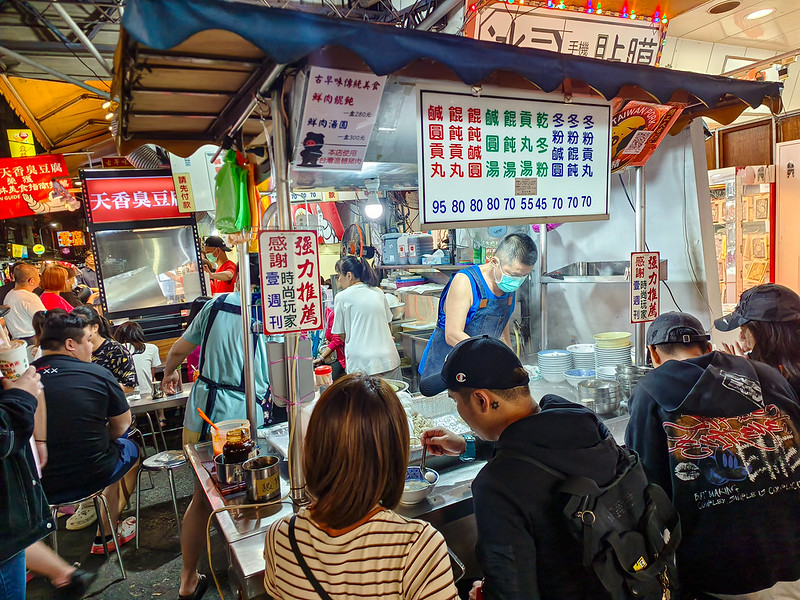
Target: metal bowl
{"points": [[228, 473], [397, 385], [600, 395], [398, 311]]}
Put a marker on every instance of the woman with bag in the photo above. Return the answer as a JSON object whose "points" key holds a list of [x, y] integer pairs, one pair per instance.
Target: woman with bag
{"points": [[350, 542]]}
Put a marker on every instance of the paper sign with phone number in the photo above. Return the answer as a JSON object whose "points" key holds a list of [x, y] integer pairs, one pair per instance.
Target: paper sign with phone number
{"points": [[491, 159]]}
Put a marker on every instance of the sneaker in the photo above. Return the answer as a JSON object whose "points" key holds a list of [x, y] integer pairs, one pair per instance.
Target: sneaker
{"points": [[84, 516], [126, 531]]}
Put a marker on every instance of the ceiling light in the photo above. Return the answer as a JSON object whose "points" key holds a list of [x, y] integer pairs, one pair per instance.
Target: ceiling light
{"points": [[758, 14], [724, 7]]}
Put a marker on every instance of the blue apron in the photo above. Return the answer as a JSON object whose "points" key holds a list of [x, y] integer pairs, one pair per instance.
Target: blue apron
{"points": [[488, 315]]}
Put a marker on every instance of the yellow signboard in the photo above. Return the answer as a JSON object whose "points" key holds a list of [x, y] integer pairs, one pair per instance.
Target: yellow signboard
{"points": [[38, 249], [20, 143]]}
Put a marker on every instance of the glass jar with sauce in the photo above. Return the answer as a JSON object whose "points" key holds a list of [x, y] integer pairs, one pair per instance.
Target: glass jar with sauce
{"points": [[238, 446]]}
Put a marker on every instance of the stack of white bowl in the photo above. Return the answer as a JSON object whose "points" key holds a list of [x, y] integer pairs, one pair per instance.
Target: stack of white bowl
{"points": [[612, 348], [582, 356], [553, 363]]}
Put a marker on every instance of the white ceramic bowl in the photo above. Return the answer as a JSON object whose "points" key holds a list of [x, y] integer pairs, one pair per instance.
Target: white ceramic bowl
{"points": [[575, 376], [414, 475]]}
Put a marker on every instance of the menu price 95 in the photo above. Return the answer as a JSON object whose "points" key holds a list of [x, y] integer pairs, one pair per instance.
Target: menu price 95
{"points": [[489, 158]]}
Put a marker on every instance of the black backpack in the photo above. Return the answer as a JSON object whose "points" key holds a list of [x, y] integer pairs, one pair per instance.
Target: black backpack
{"points": [[629, 529]]}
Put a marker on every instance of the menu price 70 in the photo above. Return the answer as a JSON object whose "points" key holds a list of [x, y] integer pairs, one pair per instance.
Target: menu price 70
{"points": [[490, 158]]}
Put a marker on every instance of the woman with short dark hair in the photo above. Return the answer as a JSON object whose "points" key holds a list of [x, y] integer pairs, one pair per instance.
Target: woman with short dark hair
{"points": [[354, 457]]}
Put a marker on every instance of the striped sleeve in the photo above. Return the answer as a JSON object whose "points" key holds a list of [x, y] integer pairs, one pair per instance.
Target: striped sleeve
{"points": [[428, 575]]}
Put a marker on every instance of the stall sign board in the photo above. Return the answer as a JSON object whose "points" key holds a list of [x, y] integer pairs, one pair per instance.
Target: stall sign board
{"points": [[637, 130], [645, 286], [116, 162], [116, 199], [200, 170], [26, 186], [290, 283], [338, 116], [70, 238], [486, 160], [613, 39], [19, 251], [183, 187], [20, 143]]}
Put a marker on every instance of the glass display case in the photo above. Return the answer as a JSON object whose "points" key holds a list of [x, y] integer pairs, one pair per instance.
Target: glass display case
{"points": [[742, 210]]}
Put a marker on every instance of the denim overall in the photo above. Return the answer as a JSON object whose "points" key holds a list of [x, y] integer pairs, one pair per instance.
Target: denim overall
{"points": [[488, 315]]}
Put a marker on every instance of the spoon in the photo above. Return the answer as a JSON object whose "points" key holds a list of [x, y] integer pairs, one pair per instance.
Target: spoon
{"points": [[429, 476]]}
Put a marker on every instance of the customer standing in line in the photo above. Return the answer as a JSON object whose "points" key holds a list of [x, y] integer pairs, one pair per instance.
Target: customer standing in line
{"points": [[53, 282], [24, 303], [361, 319]]}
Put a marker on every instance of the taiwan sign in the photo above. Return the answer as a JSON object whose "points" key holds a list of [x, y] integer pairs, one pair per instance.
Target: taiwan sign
{"points": [[116, 199], [645, 286], [613, 39], [487, 160], [290, 282], [26, 186], [637, 130], [338, 117]]}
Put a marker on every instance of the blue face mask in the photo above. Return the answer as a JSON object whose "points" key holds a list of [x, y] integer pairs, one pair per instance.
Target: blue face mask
{"points": [[508, 283]]}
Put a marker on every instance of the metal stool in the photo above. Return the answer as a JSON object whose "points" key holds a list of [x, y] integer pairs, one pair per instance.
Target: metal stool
{"points": [[163, 461], [94, 498]]}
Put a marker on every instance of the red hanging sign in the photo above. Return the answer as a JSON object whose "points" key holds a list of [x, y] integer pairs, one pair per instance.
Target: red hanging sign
{"points": [[26, 186], [117, 199]]}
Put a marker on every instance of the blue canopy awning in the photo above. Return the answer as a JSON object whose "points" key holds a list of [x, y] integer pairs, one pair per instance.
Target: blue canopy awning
{"points": [[289, 36]]}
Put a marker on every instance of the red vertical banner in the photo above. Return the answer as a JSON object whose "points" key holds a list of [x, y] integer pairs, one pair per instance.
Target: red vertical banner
{"points": [[645, 286]]}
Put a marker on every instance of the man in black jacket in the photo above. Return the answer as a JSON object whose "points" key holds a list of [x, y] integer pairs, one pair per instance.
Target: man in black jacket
{"points": [[720, 434], [524, 546]]}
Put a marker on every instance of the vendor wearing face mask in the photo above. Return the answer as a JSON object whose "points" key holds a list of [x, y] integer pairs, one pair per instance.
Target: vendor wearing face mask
{"points": [[479, 300], [224, 277]]}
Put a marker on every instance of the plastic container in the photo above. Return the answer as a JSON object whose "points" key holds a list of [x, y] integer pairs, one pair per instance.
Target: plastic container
{"points": [[414, 257], [323, 376], [402, 250], [390, 248], [238, 446], [220, 436], [14, 360]]}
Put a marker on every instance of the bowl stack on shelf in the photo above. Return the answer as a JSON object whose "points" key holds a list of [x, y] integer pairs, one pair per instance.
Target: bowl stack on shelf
{"points": [[575, 376], [553, 363], [612, 348], [628, 376], [582, 356], [603, 397]]}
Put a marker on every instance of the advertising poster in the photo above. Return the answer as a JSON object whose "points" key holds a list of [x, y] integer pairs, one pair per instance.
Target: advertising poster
{"points": [[645, 286], [637, 130], [26, 186]]}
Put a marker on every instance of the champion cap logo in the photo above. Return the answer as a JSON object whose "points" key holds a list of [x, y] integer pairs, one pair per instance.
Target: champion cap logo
{"points": [[460, 377]]}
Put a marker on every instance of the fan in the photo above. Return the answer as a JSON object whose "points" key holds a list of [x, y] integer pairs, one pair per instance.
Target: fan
{"points": [[353, 243]]}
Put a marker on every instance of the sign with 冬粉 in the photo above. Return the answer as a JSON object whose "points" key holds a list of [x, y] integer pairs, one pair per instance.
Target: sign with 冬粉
{"points": [[492, 159]]}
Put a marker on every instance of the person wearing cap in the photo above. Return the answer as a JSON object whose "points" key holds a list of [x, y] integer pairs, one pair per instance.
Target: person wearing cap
{"points": [[224, 277], [479, 300], [720, 434], [524, 547], [768, 316]]}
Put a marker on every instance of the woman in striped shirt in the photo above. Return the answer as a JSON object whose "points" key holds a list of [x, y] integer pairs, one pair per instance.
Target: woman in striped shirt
{"points": [[353, 543]]}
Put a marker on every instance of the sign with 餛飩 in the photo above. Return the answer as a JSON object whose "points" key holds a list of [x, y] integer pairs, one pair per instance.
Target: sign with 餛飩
{"points": [[26, 186], [488, 159], [338, 117], [290, 282], [645, 286], [636, 41]]}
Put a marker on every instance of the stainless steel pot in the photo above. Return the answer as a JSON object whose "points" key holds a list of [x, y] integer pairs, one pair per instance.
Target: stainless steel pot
{"points": [[263, 478], [228, 473]]}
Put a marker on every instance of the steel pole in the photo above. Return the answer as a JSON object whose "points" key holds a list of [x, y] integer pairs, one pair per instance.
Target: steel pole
{"points": [[87, 43], [296, 475], [640, 349], [543, 286], [246, 294]]}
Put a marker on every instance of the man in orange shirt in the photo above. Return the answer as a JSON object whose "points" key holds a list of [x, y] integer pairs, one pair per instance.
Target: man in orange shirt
{"points": [[224, 278]]}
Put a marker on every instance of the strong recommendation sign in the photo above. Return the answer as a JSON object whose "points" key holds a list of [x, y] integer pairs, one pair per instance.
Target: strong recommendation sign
{"points": [[489, 159]]}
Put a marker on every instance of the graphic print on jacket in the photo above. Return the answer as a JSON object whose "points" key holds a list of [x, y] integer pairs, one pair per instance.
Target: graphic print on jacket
{"points": [[741, 457]]}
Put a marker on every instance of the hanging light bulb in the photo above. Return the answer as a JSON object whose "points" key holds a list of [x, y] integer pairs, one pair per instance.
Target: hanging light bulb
{"points": [[373, 209]]}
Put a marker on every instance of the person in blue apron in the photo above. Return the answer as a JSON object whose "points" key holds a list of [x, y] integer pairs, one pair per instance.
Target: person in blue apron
{"points": [[479, 300], [219, 392]]}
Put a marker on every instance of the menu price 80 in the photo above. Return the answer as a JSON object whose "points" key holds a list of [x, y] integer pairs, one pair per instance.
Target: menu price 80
{"points": [[541, 203]]}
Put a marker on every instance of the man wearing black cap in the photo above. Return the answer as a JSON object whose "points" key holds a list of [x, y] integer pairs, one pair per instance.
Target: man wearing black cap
{"points": [[224, 278], [524, 547], [720, 434]]}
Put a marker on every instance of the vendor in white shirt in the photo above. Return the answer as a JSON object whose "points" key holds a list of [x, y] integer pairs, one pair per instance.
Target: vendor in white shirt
{"points": [[361, 319], [23, 303]]}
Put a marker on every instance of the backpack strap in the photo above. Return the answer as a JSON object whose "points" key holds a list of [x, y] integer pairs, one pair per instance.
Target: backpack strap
{"points": [[303, 564], [529, 459]]}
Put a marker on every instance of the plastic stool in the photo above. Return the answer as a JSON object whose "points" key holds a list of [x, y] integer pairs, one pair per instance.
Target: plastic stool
{"points": [[163, 461], [94, 498]]}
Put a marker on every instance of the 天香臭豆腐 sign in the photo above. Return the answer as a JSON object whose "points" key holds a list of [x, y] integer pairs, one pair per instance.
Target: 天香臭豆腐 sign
{"points": [[116, 199], [290, 281], [489, 159]]}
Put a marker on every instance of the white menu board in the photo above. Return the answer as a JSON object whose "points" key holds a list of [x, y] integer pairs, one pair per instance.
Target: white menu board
{"points": [[290, 282], [488, 159]]}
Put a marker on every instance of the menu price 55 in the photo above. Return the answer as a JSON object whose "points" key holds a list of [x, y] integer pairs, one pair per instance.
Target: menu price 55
{"points": [[506, 205]]}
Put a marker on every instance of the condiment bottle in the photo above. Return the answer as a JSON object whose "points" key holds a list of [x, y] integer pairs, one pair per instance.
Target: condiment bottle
{"points": [[238, 446]]}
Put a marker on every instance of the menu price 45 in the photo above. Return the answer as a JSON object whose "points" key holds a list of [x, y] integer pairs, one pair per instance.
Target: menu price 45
{"points": [[491, 158]]}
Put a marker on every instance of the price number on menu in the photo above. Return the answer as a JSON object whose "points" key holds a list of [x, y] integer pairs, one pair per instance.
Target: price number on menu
{"points": [[477, 205]]}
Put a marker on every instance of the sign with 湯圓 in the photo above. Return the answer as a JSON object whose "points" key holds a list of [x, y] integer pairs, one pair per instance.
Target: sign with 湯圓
{"points": [[290, 282], [338, 116], [645, 286], [26, 186], [613, 39], [491, 159]]}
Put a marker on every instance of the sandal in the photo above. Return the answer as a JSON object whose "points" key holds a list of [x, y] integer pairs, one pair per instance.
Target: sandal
{"points": [[199, 590]]}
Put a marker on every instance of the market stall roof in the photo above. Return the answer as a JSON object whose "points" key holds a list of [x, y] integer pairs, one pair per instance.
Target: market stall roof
{"points": [[183, 80]]}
